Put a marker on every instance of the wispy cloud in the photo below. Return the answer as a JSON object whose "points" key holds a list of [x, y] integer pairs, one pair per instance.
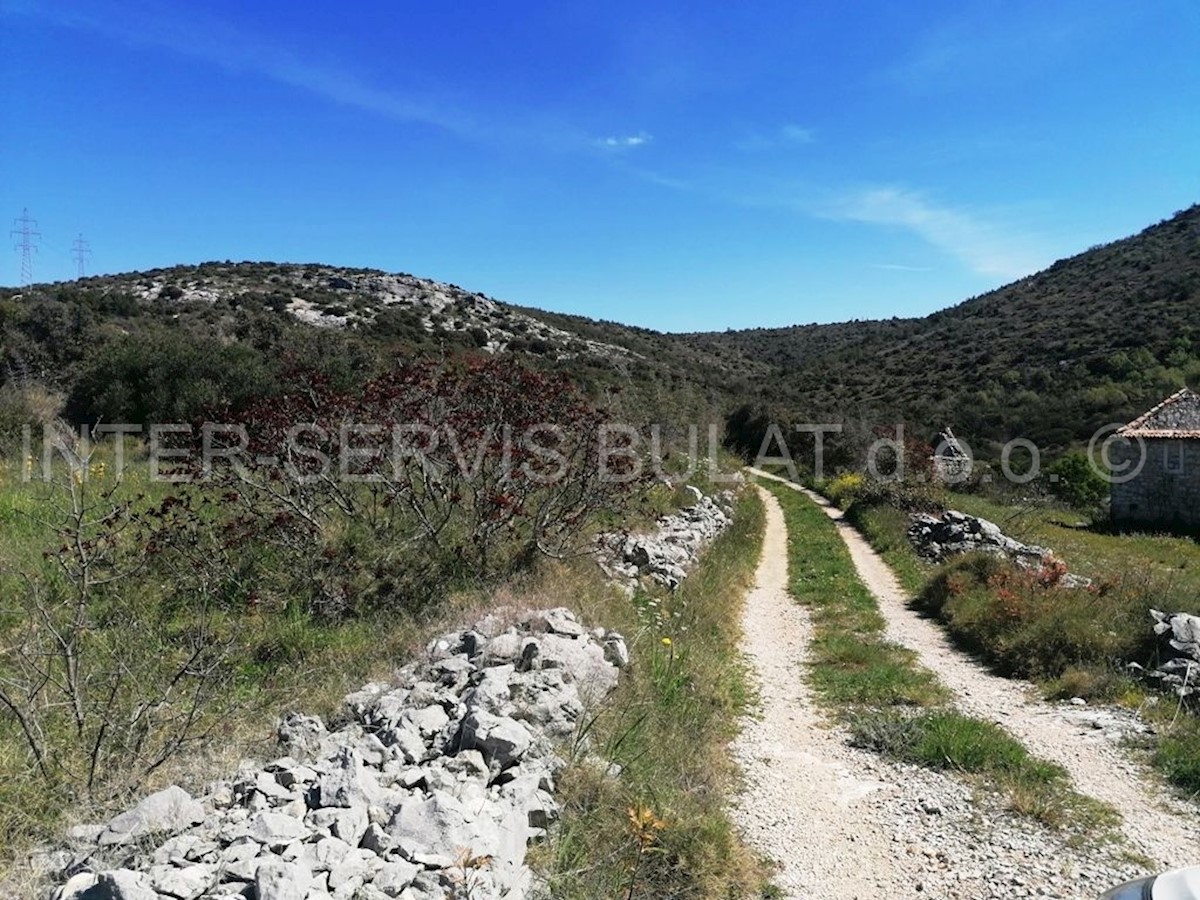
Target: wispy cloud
{"points": [[192, 33], [899, 267], [786, 136], [987, 44], [625, 142], [981, 245], [794, 134]]}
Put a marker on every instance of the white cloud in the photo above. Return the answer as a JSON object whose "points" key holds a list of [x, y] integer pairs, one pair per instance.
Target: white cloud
{"points": [[899, 267], [781, 138], [626, 142], [794, 134], [979, 244]]}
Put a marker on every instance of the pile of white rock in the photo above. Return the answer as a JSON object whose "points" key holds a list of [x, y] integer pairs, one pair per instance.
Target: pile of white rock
{"points": [[954, 533], [666, 555], [1178, 666], [433, 787]]}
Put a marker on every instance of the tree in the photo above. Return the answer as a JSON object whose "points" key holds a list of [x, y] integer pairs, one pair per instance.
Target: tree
{"points": [[1074, 480]]}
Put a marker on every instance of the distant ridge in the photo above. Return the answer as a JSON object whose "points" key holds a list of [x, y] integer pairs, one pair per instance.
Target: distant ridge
{"points": [[1094, 339]]}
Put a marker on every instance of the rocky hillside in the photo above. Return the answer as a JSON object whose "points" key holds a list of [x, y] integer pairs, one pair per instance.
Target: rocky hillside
{"points": [[166, 343], [330, 297]]}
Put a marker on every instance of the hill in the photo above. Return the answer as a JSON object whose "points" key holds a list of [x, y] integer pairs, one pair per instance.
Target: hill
{"points": [[163, 344], [1094, 339]]}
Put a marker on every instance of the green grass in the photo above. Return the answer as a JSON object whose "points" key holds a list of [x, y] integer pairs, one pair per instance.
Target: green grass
{"points": [[1172, 561], [1074, 643], [1177, 755], [666, 728], [948, 740], [894, 705]]}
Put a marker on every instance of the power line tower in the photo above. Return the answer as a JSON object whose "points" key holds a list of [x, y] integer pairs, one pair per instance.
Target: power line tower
{"points": [[81, 252], [26, 230]]}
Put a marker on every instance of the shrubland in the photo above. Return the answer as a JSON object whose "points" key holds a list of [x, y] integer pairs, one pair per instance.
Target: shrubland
{"points": [[1095, 339], [149, 624]]}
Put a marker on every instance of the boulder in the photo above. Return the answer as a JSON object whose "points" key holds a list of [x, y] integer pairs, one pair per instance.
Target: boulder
{"points": [[166, 812], [279, 880], [501, 740], [122, 884], [183, 883], [276, 830]]}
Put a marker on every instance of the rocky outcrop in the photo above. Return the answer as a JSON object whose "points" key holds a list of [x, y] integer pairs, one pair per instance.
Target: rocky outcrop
{"points": [[666, 555], [1178, 665], [432, 787], [954, 533], [331, 297]]}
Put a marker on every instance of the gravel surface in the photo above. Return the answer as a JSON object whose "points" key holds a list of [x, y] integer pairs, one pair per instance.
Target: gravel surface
{"points": [[841, 821]]}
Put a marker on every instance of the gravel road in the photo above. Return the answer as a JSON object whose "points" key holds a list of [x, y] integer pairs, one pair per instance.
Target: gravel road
{"points": [[843, 822]]}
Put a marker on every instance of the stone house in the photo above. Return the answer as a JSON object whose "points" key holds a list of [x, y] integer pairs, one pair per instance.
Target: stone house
{"points": [[951, 463], [1156, 467]]}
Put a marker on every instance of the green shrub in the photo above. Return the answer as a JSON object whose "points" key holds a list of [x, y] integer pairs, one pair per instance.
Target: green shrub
{"points": [[1027, 625], [844, 489], [1074, 480], [160, 376], [910, 496]]}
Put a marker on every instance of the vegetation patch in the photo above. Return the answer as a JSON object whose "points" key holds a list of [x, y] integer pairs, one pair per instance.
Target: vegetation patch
{"points": [[890, 702], [946, 739], [659, 828], [1028, 626], [1073, 642], [146, 622]]}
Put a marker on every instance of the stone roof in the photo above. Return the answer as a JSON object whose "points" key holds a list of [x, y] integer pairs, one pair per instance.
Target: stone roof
{"points": [[1176, 418], [948, 447]]}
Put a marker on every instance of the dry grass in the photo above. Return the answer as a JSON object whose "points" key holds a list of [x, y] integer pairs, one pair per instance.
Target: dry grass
{"points": [[666, 729]]}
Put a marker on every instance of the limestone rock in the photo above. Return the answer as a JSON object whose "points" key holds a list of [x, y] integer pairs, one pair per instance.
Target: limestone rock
{"points": [[167, 811], [279, 880], [454, 756]]}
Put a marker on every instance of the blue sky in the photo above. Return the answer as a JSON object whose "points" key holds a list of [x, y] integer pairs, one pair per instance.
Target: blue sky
{"points": [[682, 166]]}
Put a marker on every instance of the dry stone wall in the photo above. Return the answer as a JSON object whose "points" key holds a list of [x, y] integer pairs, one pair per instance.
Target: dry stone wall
{"points": [[667, 554], [1166, 491], [433, 786], [1178, 665], [936, 539]]}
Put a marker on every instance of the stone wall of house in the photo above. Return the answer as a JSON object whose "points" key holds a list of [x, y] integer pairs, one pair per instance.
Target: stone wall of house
{"points": [[1167, 490]]}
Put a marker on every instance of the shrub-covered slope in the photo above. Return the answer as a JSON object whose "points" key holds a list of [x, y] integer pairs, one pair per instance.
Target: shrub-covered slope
{"points": [[1094, 339], [163, 344]]}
